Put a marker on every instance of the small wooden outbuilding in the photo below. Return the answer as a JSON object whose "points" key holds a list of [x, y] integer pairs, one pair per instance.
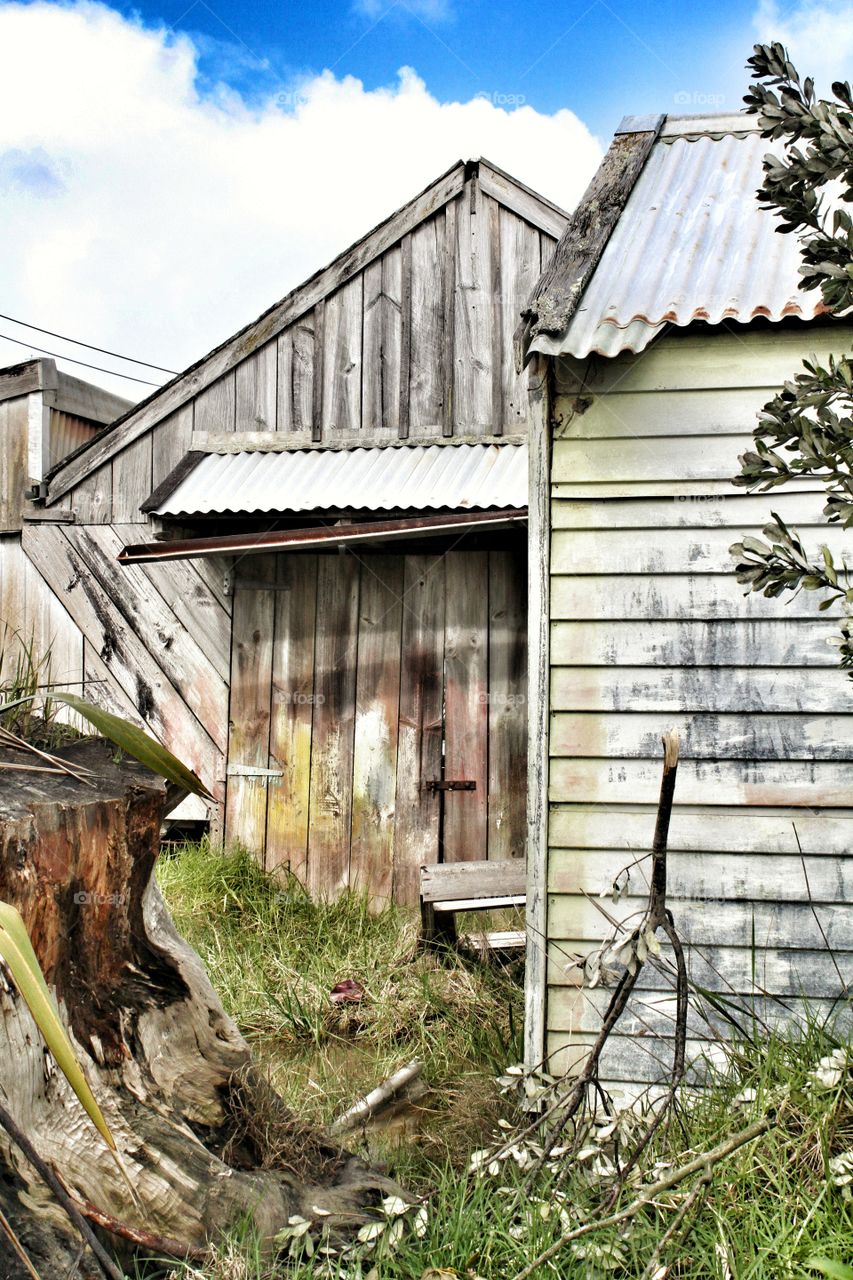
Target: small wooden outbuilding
{"points": [[341, 652], [670, 315]]}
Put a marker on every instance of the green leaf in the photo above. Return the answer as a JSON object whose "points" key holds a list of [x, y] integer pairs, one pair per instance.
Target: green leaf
{"points": [[17, 950], [828, 1267], [137, 744]]}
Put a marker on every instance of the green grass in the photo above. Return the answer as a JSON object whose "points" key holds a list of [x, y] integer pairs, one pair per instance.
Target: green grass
{"points": [[274, 956]]}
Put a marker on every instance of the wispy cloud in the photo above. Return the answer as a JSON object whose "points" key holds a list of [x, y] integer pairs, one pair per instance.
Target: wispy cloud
{"points": [[817, 33], [436, 11], [179, 210]]}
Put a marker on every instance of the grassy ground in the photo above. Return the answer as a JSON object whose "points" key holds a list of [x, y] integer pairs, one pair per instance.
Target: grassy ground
{"points": [[274, 956], [769, 1211]]}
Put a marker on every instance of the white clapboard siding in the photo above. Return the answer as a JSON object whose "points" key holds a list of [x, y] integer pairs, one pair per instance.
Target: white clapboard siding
{"points": [[760, 642], [650, 630]]}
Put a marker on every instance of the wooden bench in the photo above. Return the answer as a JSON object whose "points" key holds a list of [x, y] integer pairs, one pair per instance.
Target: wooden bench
{"points": [[448, 887]]}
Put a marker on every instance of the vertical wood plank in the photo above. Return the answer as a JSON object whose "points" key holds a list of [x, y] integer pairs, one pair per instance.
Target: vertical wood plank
{"points": [[342, 361], [249, 712], [170, 440], [520, 268], [426, 388], [472, 392], [507, 704], [12, 601], [132, 469], [382, 334], [92, 499], [292, 714], [256, 390], [215, 407], [416, 829], [376, 714], [449, 302], [466, 716], [493, 212], [13, 461], [404, 416], [296, 379], [334, 715], [318, 375]]}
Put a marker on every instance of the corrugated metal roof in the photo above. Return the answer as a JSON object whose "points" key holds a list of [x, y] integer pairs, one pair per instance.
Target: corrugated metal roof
{"points": [[691, 244], [405, 478]]}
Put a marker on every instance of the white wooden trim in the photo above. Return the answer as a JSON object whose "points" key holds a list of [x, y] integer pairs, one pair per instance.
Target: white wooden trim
{"points": [[539, 498], [38, 435]]}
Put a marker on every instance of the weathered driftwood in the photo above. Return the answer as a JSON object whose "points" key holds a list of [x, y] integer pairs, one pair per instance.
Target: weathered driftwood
{"points": [[362, 1110], [170, 1070]]}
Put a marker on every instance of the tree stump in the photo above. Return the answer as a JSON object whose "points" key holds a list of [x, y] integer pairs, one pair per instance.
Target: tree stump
{"points": [[168, 1067]]}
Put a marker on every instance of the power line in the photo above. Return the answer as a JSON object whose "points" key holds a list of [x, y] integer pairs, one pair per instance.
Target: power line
{"points": [[100, 369], [77, 343]]}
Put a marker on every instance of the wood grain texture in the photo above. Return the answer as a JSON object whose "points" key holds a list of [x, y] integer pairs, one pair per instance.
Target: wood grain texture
{"points": [[214, 409], [292, 714], [169, 443], [14, 436], [249, 710], [377, 708], [426, 387], [416, 828], [520, 266], [342, 362], [507, 727], [763, 642], [295, 389], [334, 721], [473, 353], [380, 404], [132, 474], [737, 690], [256, 390], [466, 699]]}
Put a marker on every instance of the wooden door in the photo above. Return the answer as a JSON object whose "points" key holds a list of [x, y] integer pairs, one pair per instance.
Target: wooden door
{"points": [[378, 715]]}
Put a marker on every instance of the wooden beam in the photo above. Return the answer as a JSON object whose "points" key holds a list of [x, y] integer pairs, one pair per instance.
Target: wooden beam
{"points": [[518, 198], [538, 633], [559, 290]]}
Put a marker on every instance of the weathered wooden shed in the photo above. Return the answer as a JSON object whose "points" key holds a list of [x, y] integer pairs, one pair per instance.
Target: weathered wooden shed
{"points": [[44, 416], [670, 314], [345, 640]]}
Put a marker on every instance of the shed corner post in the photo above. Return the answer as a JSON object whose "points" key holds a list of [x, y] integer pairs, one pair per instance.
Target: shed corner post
{"points": [[539, 504]]}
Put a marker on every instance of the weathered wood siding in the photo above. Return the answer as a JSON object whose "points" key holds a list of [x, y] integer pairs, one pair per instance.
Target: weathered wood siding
{"points": [[650, 629], [151, 642], [416, 344], [347, 674]]}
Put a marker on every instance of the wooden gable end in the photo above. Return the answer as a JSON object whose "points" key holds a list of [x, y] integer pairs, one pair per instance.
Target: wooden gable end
{"points": [[407, 336]]}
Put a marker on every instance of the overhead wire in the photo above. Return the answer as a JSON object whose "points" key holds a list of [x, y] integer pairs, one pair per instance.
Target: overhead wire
{"points": [[104, 351], [99, 368]]}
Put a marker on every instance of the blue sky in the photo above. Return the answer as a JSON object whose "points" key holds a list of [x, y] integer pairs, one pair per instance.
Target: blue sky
{"points": [[169, 170], [601, 58]]}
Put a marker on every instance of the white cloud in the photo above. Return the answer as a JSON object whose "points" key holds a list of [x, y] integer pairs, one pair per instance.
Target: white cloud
{"points": [[818, 35], [425, 10], [138, 213]]}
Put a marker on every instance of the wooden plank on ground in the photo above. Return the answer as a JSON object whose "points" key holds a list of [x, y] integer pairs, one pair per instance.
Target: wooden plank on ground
{"points": [[249, 712], [377, 707], [466, 701], [416, 829], [334, 716], [292, 713], [507, 692]]}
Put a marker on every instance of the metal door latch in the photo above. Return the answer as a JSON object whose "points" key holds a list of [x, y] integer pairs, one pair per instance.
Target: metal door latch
{"points": [[444, 784]]}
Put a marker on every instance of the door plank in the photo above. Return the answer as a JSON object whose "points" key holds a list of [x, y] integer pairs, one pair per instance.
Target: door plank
{"points": [[334, 714], [416, 829], [377, 707], [292, 714], [507, 704], [466, 727], [249, 716]]}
